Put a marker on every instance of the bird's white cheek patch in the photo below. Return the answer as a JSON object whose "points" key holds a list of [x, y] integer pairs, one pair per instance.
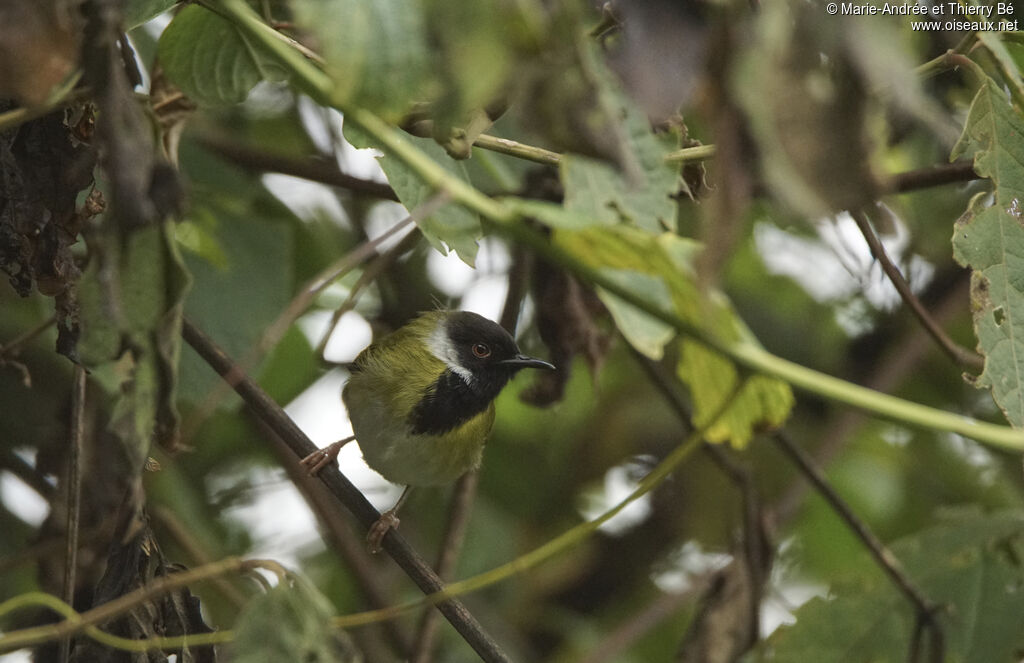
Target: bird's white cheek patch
{"points": [[441, 347]]}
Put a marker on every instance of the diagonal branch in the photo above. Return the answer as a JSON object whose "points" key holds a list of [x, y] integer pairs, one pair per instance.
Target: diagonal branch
{"points": [[957, 353], [315, 170], [924, 178], [451, 545], [925, 609], [271, 414]]}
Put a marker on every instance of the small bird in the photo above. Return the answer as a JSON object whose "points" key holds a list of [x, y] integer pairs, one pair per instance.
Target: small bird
{"points": [[421, 401]]}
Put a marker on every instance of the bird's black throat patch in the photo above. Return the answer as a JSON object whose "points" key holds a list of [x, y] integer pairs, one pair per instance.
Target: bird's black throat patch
{"points": [[451, 401]]}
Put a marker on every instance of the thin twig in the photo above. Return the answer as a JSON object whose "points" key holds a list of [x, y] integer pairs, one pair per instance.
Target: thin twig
{"points": [[691, 154], [177, 530], [48, 548], [72, 494], [887, 374], [518, 286], [619, 640], [404, 555], [369, 275], [349, 546], [101, 614], [924, 608], [736, 472], [297, 306], [312, 289], [517, 149], [318, 170], [13, 346], [923, 178], [451, 545], [960, 355]]}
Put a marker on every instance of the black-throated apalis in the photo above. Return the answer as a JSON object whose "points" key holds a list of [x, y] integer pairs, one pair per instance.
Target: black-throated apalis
{"points": [[421, 401]]}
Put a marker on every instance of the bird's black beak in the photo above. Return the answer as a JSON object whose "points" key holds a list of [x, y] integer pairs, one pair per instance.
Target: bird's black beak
{"points": [[522, 361]]}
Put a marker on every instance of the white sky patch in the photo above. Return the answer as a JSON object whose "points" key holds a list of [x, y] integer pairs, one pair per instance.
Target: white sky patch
{"points": [[451, 276], [307, 200], [897, 436], [16, 657], [619, 482], [381, 218], [486, 296], [350, 337], [155, 26], [324, 127], [975, 454], [838, 264], [455, 278], [787, 591], [684, 566], [268, 99], [22, 501], [321, 414], [277, 518], [779, 609]]}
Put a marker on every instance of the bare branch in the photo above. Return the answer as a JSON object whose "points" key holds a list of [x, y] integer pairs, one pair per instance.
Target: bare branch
{"points": [[312, 169], [270, 413], [912, 180], [960, 355], [73, 494], [925, 609], [451, 545]]}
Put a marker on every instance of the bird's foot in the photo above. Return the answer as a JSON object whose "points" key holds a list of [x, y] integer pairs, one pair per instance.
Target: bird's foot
{"points": [[387, 521], [321, 458]]}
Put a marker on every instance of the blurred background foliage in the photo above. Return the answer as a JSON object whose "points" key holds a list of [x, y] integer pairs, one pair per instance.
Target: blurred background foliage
{"points": [[811, 115]]}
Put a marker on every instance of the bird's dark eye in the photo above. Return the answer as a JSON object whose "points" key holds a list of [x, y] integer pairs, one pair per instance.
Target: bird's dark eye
{"points": [[482, 351]]}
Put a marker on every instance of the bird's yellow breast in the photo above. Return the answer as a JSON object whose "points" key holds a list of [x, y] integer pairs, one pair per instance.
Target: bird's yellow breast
{"points": [[388, 382]]}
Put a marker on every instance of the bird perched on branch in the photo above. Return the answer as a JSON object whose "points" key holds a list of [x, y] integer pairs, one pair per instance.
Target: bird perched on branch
{"points": [[421, 401]]}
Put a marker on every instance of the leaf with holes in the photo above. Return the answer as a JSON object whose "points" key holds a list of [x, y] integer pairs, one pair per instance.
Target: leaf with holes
{"points": [[989, 239]]}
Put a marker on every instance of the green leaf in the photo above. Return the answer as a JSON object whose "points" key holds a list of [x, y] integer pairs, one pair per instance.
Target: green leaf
{"points": [[235, 301], [451, 227], [1006, 62], [137, 12], [376, 51], [291, 622], [131, 341], [639, 189], [969, 564], [554, 216], [212, 61], [991, 242], [645, 333]]}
